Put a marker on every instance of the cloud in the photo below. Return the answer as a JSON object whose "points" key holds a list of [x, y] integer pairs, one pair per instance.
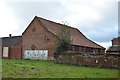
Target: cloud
{"points": [[106, 45], [8, 23], [97, 19], [24, 12]]}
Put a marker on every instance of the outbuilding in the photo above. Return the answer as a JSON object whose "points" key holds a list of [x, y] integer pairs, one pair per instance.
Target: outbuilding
{"points": [[11, 47]]}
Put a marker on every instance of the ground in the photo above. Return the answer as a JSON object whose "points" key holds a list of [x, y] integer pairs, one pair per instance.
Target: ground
{"points": [[47, 69]]}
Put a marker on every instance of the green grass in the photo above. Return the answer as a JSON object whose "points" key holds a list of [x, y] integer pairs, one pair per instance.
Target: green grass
{"points": [[46, 69]]}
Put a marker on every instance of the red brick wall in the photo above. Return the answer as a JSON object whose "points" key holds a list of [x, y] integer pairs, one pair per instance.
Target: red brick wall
{"points": [[38, 36], [116, 41], [15, 52]]}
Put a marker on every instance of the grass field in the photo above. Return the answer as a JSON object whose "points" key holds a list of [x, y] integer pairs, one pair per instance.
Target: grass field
{"points": [[46, 69]]}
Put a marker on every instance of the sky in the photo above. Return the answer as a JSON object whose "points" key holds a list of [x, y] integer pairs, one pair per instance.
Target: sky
{"points": [[96, 19]]}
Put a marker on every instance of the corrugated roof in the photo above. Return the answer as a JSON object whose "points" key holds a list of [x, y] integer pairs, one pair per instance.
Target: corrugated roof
{"points": [[10, 41], [77, 37]]}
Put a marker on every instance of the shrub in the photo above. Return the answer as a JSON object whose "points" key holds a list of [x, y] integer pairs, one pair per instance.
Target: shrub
{"points": [[64, 44]]}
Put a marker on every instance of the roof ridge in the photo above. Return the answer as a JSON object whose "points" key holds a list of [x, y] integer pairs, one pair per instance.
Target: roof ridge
{"points": [[55, 22], [11, 37]]}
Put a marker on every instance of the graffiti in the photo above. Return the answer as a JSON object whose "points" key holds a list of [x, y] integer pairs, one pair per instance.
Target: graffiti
{"points": [[36, 54]]}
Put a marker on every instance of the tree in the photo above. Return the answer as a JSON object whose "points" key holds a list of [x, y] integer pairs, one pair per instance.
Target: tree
{"points": [[64, 37]]}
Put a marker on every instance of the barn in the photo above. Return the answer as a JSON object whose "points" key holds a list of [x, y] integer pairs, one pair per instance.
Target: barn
{"points": [[39, 41]]}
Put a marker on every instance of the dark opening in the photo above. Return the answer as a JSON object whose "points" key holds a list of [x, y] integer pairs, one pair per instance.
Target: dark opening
{"points": [[76, 48], [88, 49]]}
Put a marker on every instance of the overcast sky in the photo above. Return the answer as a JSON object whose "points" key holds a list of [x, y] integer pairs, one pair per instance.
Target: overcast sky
{"points": [[96, 19]]}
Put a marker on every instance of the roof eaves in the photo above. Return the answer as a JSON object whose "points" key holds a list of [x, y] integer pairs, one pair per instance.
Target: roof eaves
{"points": [[90, 40]]}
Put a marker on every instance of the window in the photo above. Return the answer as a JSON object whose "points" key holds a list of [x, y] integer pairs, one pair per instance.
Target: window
{"points": [[88, 49]]}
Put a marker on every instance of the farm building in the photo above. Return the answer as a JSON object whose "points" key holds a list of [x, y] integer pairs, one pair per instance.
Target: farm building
{"points": [[11, 47], [39, 41], [115, 48]]}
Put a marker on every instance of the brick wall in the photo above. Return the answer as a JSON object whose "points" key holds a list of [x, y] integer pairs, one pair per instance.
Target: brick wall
{"points": [[108, 61], [37, 37], [116, 41], [15, 52]]}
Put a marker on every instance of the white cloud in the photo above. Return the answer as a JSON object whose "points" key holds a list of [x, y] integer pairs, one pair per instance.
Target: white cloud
{"points": [[29, 0], [8, 23], [81, 14], [92, 16], [106, 45], [86, 11]]}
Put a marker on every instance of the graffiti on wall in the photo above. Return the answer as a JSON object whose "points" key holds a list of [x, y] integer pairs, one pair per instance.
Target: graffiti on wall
{"points": [[36, 54]]}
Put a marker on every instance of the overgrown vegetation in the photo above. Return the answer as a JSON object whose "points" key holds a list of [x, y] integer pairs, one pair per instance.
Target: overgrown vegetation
{"points": [[46, 69], [64, 37]]}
